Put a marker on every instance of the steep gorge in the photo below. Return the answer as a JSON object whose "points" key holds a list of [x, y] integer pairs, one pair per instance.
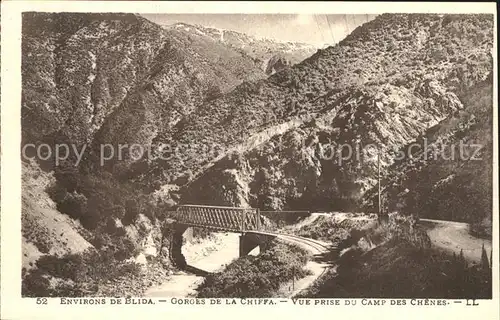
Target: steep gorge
{"points": [[120, 79]]}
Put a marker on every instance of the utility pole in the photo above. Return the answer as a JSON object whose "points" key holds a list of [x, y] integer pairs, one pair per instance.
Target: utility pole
{"points": [[379, 197], [382, 217]]}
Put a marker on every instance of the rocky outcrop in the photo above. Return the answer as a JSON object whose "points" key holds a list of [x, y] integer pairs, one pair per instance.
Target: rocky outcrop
{"points": [[277, 63], [448, 176], [328, 163]]}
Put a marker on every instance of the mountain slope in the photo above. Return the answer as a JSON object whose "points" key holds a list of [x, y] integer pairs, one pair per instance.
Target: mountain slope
{"points": [[44, 229], [306, 137], [272, 56], [123, 80], [378, 86], [80, 70]]}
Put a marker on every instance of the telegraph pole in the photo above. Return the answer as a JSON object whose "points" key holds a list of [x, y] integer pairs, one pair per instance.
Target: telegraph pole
{"points": [[379, 197], [382, 217]]}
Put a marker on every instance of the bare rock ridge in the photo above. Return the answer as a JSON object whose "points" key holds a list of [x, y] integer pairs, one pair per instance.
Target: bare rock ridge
{"points": [[271, 55]]}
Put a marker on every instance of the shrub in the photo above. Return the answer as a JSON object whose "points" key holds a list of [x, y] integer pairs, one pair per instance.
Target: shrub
{"points": [[36, 284], [259, 276], [131, 212], [401, 229], [124, 248], [100, 239], [68, 177], [91, 219], [68, 289], [75, 272], [74, 205], [69, 266], [94, 198], [57, 192]]}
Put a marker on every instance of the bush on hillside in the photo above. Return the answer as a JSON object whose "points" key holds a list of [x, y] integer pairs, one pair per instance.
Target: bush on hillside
{"points": [[74, 205], [482, 228], [402, 270], [98, 199], [328, 228], [131, 212], [76, 271], [259, 276], [36, 284]]}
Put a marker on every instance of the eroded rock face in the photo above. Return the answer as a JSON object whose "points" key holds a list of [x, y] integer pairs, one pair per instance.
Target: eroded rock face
{"points": [[327, 163], [444, 180]]}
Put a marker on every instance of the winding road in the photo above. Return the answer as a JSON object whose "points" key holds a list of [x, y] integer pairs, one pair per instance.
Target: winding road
{"points": [[454, 236]]}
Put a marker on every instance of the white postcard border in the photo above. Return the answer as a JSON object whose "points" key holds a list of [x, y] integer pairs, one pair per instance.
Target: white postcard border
{"points": [[15, 307]]}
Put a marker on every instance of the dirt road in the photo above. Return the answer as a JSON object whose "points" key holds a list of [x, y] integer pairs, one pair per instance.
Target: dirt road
{"points": [[317, 268], [454, 236]]}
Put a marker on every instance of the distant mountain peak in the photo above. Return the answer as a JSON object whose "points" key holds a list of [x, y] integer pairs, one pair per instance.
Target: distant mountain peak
{"points": [[272, 55]]}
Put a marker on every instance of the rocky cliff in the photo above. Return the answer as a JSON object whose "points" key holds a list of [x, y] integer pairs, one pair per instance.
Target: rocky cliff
{"points": [[447, 173], [375, 92]]}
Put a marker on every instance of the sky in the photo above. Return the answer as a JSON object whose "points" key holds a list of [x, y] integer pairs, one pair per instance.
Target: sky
{"points": [[317, 29]]}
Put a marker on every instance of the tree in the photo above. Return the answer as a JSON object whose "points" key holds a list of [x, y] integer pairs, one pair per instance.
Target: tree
{"points": [[131, 211], [461, 259], [67, 175], [74, 205], [485, 264]]}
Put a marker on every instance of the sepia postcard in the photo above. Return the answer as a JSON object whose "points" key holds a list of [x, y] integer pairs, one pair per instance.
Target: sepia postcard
{"points": [[249, 159]]}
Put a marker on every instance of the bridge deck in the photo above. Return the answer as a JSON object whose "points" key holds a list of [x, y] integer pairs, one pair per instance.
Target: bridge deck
{"points": [[220, 218]]}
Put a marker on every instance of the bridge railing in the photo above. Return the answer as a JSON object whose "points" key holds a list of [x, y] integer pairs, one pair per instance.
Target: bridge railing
{"points": [[222, 218]]}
